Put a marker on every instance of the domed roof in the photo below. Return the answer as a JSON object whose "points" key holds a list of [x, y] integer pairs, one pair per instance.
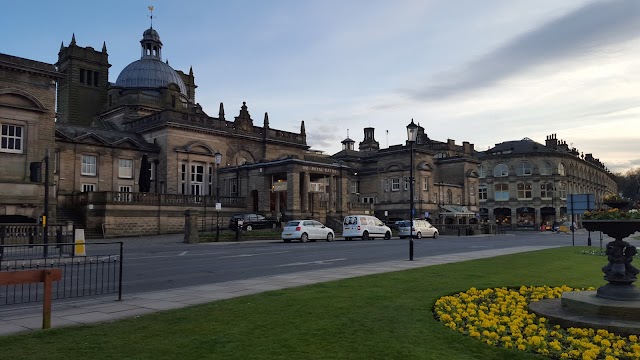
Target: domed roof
{"points": [[149, 73], [151, 34]]}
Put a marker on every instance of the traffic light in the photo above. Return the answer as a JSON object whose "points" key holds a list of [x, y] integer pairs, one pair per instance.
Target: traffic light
{"points": [[35, 175]]}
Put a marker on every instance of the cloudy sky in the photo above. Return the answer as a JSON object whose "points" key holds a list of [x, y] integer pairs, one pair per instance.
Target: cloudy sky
{"points": [[478, 71]]}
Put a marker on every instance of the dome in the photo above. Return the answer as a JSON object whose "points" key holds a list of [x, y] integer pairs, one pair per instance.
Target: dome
{"points": [[149, 73], [151, 34]]}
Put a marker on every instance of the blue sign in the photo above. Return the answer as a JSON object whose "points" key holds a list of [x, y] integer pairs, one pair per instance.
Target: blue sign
{"points": [[580, 203]]}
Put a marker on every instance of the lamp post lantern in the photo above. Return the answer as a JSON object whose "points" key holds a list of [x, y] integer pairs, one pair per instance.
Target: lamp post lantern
{"points": [[218, 158], [412, 132]]}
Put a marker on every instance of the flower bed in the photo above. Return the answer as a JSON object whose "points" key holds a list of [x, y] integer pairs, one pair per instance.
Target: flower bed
{"points": [[499, 317]]}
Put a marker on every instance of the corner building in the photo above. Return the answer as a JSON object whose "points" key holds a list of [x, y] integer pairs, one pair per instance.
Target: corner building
{"points": [[524, 184]]}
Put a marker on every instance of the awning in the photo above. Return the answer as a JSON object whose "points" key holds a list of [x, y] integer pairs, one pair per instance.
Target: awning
{"points": [[455, 210]]}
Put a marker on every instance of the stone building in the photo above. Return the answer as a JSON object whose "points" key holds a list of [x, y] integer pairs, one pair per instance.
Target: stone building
{"points": [[525, 184], [131, 157], [27, 122], [445, 178]]}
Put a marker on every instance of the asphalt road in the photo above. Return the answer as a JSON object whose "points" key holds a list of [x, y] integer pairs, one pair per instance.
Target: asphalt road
{"points": [[164, 262]]}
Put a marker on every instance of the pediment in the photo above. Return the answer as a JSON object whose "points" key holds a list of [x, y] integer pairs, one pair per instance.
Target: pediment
{"points": [[198, 147], [126, 143], [393, 167], [425, 166], [20, 99], [90, 139]]}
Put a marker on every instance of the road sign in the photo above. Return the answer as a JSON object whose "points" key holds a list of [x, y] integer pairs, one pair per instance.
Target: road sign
{"points": [[579, 203]]}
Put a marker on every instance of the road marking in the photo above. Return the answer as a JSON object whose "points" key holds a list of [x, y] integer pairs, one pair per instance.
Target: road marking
{"points": [[183, 253], [319, 262], [250, 255]]}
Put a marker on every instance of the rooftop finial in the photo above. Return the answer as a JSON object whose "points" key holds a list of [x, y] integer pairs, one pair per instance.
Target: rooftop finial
{"points": [[151, 14]]}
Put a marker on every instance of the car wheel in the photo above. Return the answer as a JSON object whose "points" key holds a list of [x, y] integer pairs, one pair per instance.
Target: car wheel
{"points": [[365, 235], [418, 235], [287, 240], [435, 234], [304, 237], [387, 236], [249, 227], [329, 237]]}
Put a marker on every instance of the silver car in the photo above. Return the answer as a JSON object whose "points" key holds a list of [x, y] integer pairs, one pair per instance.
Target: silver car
{"points": [[305, 230], [421, 228]]}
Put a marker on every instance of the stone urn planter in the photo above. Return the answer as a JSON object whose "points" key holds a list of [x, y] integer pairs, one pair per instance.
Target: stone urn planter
{"points": [[618, 272], [622, 205]]}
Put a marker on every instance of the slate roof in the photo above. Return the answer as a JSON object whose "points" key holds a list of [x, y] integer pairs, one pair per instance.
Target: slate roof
{"points": [[109, 138]]}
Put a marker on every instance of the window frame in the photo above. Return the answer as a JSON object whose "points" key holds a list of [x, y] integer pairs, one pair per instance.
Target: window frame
{"points": [[6, 138], [124, 171], [85, 187], [395, 184], [524, 190], [546, 169], [86, 166], [504, 173], [524, 168], [483, 192], [498, 194], [482, 172]]}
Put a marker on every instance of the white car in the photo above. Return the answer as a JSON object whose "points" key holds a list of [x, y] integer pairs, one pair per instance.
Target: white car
{"points": [[364, 227], [421, 228], [305, 230]]}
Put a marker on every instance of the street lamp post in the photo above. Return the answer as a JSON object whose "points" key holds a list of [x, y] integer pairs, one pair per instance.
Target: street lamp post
{"points": [[412, 132], [218, 157]]}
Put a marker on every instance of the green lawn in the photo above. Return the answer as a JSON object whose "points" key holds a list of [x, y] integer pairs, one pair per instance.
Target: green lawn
{"points": [[385, 316]]}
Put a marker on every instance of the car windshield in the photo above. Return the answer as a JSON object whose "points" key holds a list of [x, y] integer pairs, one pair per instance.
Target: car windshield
{"points": [[293, 223], [404, 224]]}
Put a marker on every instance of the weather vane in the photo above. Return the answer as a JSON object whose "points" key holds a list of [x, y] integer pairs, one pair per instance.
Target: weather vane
{"points": [[151, 14]]}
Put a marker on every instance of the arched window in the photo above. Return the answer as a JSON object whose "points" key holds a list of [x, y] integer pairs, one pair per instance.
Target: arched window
{"points": [[546, 168], [523, 168], [501, 170], [482, 172], [561, 169]]}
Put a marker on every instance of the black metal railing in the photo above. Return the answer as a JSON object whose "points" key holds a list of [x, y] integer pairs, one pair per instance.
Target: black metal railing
{"points": [[98, 273], [117, 197], [33, 234]]}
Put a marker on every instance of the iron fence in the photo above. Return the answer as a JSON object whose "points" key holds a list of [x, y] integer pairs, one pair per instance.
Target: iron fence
{"points": [[97, 273], [33, 234]]}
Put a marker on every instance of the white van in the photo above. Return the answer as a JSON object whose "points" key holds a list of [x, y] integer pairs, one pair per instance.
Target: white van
{"points": [[364, 227]]}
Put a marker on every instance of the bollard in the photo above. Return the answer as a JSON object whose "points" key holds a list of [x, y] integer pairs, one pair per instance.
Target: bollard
{"points": [[411, 249], [79, 244]]}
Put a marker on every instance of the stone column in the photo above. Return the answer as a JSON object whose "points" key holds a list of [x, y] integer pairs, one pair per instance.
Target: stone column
{"points": [[293, 193], [191, 227], [304, 203], [331, 207]]}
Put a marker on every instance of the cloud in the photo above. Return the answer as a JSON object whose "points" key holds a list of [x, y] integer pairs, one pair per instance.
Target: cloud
{"points": [[578, 33]]}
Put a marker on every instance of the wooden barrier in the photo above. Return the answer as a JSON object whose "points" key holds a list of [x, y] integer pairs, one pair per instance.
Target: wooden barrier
{"points": [[46, 276]]}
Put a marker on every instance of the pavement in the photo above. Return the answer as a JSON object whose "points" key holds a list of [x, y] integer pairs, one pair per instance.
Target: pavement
{"points": [[86, 311]]}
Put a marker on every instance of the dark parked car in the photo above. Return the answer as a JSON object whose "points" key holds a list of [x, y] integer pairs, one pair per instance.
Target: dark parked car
{"points": [[252, 221]]}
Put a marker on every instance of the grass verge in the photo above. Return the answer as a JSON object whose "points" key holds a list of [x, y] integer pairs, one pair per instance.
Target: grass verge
{"points": [[385, 316]]}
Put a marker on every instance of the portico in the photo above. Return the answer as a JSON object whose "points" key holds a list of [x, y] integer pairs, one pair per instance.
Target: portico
{"points": [[292, 188]]}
